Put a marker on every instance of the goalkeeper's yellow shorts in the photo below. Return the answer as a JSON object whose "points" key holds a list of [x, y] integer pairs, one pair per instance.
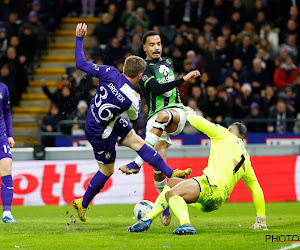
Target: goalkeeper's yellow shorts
{"points": [[209, 198]]}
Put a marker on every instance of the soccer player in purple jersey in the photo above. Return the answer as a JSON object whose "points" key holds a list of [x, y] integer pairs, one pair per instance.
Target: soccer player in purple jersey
{"points": [[7, 142], [104, 126]]}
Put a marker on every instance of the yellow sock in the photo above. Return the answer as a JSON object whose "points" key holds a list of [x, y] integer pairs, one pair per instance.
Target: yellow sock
{"points": [[159, 205], [180, 209]]}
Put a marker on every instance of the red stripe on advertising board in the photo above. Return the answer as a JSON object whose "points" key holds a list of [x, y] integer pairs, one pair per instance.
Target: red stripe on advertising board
{"points": [[276, 175]]}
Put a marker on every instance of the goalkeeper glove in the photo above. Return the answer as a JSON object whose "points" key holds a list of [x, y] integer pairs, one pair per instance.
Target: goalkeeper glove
{"points": [[260, 223], [189, 111]]}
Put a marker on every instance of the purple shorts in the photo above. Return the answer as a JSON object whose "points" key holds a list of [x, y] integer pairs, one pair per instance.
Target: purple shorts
{"points": [[4, 149], [105, 149]]}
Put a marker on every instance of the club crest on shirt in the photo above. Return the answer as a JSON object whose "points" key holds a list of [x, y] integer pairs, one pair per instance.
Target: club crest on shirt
{"points": [[107, 155]]}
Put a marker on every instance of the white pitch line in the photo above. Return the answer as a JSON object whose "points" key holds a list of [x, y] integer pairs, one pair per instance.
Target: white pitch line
{"points": [[294, 245]]}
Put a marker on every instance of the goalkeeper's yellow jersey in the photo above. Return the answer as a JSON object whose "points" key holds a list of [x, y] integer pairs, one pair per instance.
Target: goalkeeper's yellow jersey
{"points": [[228, 161]]}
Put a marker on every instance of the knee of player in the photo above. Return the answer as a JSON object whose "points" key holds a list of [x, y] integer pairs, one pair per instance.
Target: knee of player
{"points": [[163, 116], [6, 169], [170, 194]]}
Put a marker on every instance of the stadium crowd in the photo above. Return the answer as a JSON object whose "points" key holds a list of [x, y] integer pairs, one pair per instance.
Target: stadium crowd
{"points": [[247, 52]]}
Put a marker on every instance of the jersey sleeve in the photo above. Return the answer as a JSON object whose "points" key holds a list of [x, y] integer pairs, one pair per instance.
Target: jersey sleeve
{"points": [[99, 71], [134, 110], [212, 130], [250, 180], [149, 81], [7, 113]]}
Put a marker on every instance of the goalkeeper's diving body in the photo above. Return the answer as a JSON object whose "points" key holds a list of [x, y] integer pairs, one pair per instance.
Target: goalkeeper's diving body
{"points": [[104, 126], [227, 164]]}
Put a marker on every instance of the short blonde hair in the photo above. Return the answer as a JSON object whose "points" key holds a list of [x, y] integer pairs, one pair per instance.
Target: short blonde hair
{"points": [[133, 66]]}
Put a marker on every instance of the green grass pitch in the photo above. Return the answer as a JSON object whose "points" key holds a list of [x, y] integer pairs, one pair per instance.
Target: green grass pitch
{"points": [[228, 228]]}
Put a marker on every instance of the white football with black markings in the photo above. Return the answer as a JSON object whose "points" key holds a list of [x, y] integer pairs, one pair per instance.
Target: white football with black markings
{"points": [[142, 208]]}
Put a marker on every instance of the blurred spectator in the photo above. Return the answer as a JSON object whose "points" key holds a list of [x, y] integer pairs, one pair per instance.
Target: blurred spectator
{"points": [[196, 94], [290, 29], [294, 14], [5, 9], [113, 52], [225, 95], [268, 99], [184, 89], [105, 30], [278, 116], [258, 77], [78, 115], [189, 129], [123, 37], [64, 96], [271, 35], [16, 68], [155, 12], [236, 23], [212, 62], [93, 50], [237, 72], [196, 62], [285, 74], [3, 39], [28, 43], [77, 78], [213, 106], [137, 17], [259, 7], [50, 124], [130, 7], [43, 16], [296, 128], [12, 25], [136, 45], [88, 8], [291, 47], [263, 55], [242, 103], [8, 79], [246, 52], [255, 113], [283, 55], [260, 20], [289, 98]]}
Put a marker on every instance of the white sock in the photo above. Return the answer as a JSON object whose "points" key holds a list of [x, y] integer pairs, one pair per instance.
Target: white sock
{"points": [[160, 185], [6, 213], [151, 139]]}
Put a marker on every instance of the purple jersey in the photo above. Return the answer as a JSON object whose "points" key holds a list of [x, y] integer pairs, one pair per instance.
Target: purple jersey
{"points": [[5, 122], [114, 95]]}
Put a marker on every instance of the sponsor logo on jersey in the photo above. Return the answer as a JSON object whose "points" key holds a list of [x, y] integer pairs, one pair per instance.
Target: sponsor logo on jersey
{"points": [[163, 69], [96, 67], [166, 79]]}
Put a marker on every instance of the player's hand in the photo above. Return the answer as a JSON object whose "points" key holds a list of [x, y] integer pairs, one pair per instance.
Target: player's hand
{"points": [[11, 142], [189, 111], [136, 94], [191, 75], [43, 82], [260, 223], [81, 30]]}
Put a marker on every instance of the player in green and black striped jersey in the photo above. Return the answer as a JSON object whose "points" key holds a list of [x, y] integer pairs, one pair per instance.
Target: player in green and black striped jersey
{"points": [[166, 115]]}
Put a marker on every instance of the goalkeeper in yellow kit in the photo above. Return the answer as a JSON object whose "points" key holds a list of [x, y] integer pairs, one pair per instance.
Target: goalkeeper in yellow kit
{"points": [[227, 164]]}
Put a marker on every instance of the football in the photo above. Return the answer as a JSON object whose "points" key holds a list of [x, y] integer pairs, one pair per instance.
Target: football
{"points": [[142, 208]]}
